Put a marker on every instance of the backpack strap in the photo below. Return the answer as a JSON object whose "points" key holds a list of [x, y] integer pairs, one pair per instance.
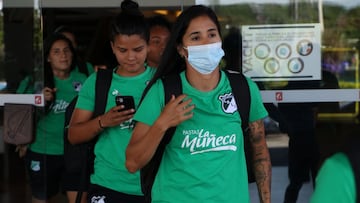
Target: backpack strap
{"points": [[172, 86], [103, 82], [102, 86], [241, 93]]}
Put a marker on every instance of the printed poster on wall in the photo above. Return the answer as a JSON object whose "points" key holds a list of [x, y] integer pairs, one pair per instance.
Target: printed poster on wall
{"points": [[282, 52]]}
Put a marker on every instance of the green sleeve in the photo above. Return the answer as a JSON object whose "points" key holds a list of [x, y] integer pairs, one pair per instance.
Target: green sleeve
{"points": [[257, 108], [335, 182], [26, 86], [152, 105], [86, 97]]}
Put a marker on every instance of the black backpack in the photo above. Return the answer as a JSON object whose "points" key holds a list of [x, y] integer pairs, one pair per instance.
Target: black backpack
{"points": [[172, 86], [79, 158]]}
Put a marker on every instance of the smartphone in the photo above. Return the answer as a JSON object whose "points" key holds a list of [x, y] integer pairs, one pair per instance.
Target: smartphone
{"points": [[127, 101]]}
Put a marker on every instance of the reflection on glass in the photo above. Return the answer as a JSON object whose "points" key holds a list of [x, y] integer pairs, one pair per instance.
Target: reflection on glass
{"points": [[271, 66], [296, 65], [20, 53], [340, 41], [338, 21], [32, 83], [3, 83], [262, 51], [304, 47], [283, 51]]}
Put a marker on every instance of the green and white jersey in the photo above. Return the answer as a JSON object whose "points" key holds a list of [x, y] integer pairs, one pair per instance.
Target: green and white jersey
{"points": [[205, 160], [26, 86], [109, 166], [50, 128], [335, 182]]}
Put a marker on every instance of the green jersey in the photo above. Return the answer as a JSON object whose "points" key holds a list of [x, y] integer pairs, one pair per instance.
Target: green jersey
{"points": [[26, 86], [335, 182], [109, 166], [205, 160], [50, 128]]}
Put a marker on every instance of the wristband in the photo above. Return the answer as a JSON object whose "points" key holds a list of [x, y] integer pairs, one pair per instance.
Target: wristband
{"points": [[100, 125]]}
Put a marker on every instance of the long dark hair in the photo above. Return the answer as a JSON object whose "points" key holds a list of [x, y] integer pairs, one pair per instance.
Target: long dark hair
{"points": [[159, 20], [49, 80], [171, 62], [130, 21], [232, 45]]}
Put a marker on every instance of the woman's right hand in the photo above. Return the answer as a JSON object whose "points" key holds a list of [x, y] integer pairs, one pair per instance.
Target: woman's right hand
{"points": [[145, 139], [49, 93], [176, 111], [115, 116]]}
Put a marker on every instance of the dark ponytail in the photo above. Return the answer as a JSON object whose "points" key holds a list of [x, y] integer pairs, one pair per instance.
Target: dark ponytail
{"points": [[130, 21], [130, 7]]}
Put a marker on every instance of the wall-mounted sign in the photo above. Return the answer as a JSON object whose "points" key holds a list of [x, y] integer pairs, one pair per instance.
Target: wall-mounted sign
{"points": [[282, 52]]}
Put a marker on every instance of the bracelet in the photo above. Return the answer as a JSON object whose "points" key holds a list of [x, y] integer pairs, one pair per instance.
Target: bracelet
{"points": [[100, 125]]}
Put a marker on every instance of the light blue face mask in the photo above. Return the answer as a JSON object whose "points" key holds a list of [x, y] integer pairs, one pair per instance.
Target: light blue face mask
{"points": [[205, 58]]}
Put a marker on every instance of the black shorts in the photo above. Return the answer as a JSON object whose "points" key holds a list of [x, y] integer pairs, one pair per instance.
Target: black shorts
{"points": [[45, 173], [76, 182], [98, 193]]}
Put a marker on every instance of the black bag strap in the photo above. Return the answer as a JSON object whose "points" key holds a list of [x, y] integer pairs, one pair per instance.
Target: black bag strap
{"points": [[102, 86], [103, 82], [241, 92], [172, 86]]}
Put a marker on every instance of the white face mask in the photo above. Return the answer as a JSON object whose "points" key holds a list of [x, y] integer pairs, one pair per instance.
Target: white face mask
{"points": [[205, 58]]}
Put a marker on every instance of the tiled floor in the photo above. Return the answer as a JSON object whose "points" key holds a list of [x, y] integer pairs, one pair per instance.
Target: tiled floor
{"points": [[278, 144], [278, 186]]}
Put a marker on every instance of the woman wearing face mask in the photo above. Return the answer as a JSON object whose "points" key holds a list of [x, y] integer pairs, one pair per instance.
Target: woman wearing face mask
{"points": [[193, 167]]}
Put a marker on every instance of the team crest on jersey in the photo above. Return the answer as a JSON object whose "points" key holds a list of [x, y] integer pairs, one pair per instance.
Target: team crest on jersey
{"points": [[77, 86], [115, 92], [98, 199], [228, 103]]}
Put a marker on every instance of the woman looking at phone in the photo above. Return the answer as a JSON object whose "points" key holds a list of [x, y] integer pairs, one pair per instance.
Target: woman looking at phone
{"points": [[110, 180]]}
